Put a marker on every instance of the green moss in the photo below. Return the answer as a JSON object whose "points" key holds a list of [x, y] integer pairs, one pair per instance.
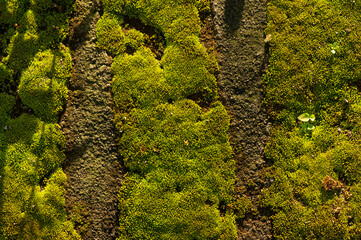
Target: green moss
{"points": [[43, 85], [138, 81], [185, 142], [11, 10], [32, 202], [203, 6], [355, 211], [180, 170], [21, 50], [314, 68], [134, 39], [110, 34], [5, 77], [243, 206], [116, 40], [7, 103], [299, 194], [185, 68], [28, 211], [171, 214], [304, 74], [32, 26]]}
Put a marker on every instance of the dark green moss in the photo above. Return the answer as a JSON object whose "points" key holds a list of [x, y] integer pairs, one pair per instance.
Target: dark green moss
{"points": [[5, 78]]}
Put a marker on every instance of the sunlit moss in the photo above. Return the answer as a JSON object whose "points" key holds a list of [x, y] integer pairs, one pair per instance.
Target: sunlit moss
{"points": [[43, 85], [180, 170], [314, 68], [32, 202], [30, 154]]}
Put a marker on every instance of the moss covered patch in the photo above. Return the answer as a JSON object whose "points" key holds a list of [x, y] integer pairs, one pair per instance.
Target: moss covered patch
{"points": [[43, 85], [314, 68], [34, 69], [180, 171], [32, 180]]}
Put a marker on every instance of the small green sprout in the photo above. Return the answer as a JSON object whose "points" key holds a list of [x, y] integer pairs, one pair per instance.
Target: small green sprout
{"points": [[306, 120], [334, 47]]}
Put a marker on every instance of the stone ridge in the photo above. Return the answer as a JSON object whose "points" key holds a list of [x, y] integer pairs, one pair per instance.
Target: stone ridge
{"points": [[92, 165], [242, 55]]}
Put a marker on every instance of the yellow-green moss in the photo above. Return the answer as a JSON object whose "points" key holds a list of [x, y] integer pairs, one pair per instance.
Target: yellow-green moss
{"points": [[314, 68], [138, 81], [43, 85], [180, 170], [32, 206], [32, 201]]}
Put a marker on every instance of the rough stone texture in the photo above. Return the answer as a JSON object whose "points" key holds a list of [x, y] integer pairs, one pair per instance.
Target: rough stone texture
{"points": [[242, 54], [92, 165]]}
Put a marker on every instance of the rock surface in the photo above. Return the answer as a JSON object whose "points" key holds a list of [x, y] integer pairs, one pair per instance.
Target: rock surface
{"points": [[92, 165], [242, 54]]}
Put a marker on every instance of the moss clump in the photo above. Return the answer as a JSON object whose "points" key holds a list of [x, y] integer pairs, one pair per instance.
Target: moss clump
{"points": [[32, 202], [243, 206], [21, 50], [29, 27], [43, 85], [110, 34], [113, 38], [185, 68], [180, 170], [314, 68], [138, 81], [134, 39], [183, 156]]}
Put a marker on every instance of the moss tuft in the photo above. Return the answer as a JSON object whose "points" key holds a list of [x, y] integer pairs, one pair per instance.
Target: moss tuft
{"points": [[43, 85]]}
